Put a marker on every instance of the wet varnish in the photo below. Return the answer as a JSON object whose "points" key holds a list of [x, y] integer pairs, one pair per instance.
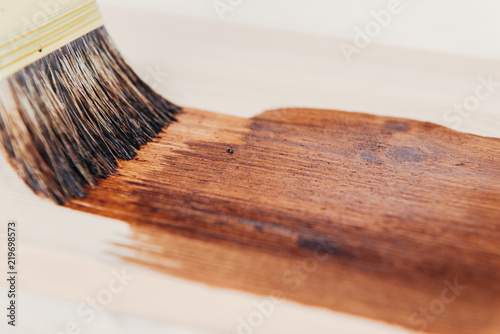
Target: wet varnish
{"points": [[357, 213]]}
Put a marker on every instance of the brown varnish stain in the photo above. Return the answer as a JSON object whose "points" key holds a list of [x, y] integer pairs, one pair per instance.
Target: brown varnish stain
{"points": [[353, 212]]}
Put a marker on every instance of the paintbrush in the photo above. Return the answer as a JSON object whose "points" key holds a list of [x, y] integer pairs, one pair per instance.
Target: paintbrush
{"points": [[70, 106]]}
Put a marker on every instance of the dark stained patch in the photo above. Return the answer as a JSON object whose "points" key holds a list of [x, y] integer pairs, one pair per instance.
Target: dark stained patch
{"points": [[322, 246], [370, 158], [409, 154]]}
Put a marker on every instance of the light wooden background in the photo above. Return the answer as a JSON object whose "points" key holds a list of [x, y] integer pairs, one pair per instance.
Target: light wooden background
{"points": [[67, 256]]}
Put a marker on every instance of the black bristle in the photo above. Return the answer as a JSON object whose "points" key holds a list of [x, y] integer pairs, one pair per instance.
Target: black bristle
{"points": [[65, 119]]}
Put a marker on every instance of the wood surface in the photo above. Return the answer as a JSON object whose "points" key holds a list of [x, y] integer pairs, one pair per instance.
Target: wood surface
{"points": [[357, 213]]}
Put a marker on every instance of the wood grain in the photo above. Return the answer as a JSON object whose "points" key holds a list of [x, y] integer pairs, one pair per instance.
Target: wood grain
{"points": [[363, 214]]}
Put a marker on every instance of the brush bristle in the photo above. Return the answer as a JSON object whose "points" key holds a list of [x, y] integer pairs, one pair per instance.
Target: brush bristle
{"points": [[67, 118]]}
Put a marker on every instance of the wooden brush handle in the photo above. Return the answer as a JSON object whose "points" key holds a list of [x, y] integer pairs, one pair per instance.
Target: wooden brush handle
{"points": [[386, 218], [31, 29]]}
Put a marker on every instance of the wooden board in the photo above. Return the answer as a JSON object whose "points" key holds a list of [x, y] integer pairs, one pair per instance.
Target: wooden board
{"points": [[363, 214], [239, 70]]}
